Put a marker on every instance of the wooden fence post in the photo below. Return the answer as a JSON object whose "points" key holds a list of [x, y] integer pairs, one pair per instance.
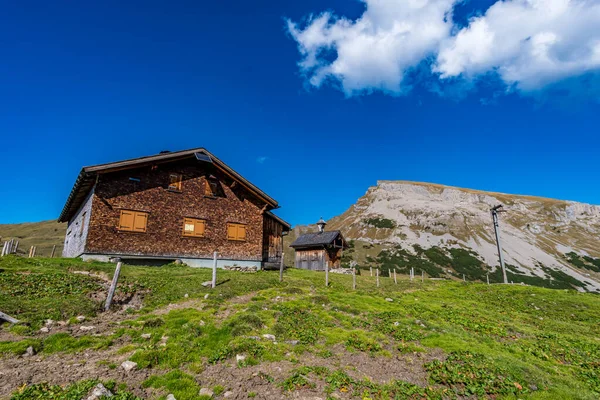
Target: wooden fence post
{"points": [[214, 271], [464, 279], [487, 277], [16, 246], [422, 276], [53, 250], [377, 273], [281, 268], [395, 277], [3, 249], [371, 270], [8, 318], [113, 287], [30, 252], [354, 278], [326, 274]]}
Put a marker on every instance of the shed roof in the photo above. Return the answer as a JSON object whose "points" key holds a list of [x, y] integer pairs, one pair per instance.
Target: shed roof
{"points": [[317, 239], [87, 177]]}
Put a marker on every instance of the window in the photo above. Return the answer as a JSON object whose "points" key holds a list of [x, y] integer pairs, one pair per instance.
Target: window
{"points": [[175, 182], [211, 187], [82, 223], [133, 221], [193, 227], [236, 232]]}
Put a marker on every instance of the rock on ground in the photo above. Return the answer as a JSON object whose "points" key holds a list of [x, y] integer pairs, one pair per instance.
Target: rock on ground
{"points": [[206, 392], [99, 391], [171, 397], [128, 365]]}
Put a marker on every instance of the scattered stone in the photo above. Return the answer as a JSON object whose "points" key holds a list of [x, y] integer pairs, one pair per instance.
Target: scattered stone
{"points": [[268, 336], [396, 323], [207, 284], [388, 299], [206, 296], [29, 352], [86, 328], [240, 358], [533, 388], [99, 391], [80, 318], [418, 322], [44, 329], [292, 342], [240, 269], [253, 337], [201, 323], [128, 365], [228, 394], [206, 392], [49, 322], [186, 295], [171, 397], [146, 335], [178, 262]]}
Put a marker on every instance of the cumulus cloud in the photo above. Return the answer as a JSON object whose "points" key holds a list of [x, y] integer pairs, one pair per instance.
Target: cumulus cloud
{"points": [[529, 44]]}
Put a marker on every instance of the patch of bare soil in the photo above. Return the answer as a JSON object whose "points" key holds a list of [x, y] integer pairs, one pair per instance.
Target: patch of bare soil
{"points": [[63, 369], [241, 381]]}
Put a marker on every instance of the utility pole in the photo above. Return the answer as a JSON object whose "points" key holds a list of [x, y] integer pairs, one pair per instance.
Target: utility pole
{"points": [[495, 210]]}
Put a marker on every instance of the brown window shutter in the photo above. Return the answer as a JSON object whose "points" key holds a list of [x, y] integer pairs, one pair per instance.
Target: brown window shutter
{"points": [[231, 232], [126, 220], [200, 226], [139, 222], [241, 232]]}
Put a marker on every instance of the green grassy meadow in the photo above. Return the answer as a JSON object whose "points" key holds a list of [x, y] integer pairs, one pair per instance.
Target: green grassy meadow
{"points": [[459, 339]]}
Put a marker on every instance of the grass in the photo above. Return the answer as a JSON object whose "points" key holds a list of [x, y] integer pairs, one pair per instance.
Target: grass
{"points": [[497, 341], [44, 235]]}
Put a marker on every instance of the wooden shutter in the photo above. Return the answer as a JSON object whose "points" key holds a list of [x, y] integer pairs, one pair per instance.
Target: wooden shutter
{"points": [[126, 220], [140, 221], [241, 232], [193, 227], [231, 232], [236, 232], [199, 227]]}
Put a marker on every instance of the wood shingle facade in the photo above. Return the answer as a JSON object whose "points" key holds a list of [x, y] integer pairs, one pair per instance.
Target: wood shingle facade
{"points": [[181, 205]]}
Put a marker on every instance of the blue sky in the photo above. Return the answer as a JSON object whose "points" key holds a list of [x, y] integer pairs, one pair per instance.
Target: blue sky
{"points": [[82, 84]]}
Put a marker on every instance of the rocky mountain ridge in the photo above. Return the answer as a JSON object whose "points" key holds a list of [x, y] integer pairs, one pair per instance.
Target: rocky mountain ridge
{"points": [[543, 239]]}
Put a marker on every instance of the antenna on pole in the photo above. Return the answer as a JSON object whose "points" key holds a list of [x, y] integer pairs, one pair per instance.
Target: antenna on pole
{"points": [[495, 210]]}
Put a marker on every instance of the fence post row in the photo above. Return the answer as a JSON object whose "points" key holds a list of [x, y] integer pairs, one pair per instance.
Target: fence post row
{"points": [[354, 278]]}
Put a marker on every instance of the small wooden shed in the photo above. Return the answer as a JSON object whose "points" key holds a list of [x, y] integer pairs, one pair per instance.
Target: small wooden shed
{"points": [[317, 251]]}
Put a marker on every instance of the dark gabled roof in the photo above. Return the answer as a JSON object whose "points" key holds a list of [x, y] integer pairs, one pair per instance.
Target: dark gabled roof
{"points": [[278, 219], [87, 177], [317, 239]]}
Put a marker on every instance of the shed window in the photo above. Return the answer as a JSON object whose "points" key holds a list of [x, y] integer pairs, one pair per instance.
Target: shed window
{"points": [[175, 182], [236, 232], [194, 227], [133, 221]]}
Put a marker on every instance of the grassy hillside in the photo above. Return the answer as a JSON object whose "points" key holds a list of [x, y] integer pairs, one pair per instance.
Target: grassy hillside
{"points": [[43, 234], [415, 340]]}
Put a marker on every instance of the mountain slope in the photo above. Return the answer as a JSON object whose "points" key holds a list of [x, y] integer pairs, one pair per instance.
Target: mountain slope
{"points": [[44, 235], [543, 239]]}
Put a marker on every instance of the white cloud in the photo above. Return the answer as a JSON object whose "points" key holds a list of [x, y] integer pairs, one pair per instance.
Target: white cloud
{"points": [[376, 50], [261, 159], [528, 43]]}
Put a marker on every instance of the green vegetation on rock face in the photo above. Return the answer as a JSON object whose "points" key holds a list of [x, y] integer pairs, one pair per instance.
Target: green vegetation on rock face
{"points": [[584, 262], [459, 339], [379, 222], [76, 391]]}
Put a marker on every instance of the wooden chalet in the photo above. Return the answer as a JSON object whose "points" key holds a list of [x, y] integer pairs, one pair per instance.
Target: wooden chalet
{"points": [[182, 205], [320, 250]]}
